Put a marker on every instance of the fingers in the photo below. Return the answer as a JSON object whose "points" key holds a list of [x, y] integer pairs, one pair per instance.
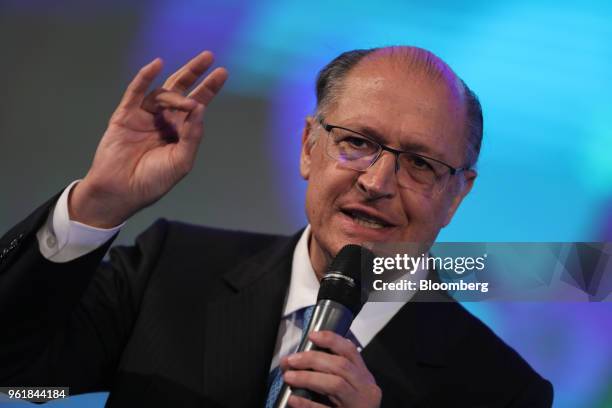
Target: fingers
{"points": [[135, 92], [324, 363], [191, 136], [210, 86], [341, 374], [170, 94], [185, 77], [176, 101], [337, 345], [194, 125], [179, 82], [204, 93], [336, 388], [299, 402], [162, 99]]}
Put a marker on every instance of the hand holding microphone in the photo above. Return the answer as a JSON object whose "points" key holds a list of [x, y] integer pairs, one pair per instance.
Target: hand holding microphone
{"points": [[328, 367]]}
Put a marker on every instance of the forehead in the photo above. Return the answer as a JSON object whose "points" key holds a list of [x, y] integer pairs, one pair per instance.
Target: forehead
{"points": [[406, 107]]}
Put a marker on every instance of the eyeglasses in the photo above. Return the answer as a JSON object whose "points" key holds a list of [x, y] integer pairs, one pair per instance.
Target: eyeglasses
{"points": [[357, 151]]}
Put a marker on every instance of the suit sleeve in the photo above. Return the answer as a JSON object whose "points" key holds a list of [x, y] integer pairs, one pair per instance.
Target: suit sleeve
{"points": [[65, 324], [537, 394]]}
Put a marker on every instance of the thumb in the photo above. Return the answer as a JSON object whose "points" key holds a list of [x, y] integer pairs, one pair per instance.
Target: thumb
{"points": [[191, 136]]}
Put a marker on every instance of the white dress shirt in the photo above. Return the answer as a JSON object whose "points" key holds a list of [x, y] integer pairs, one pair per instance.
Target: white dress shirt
{"points": [[61, 240]]}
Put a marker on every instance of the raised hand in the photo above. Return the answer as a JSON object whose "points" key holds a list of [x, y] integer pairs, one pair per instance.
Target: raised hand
{"points": [[150, 143]]}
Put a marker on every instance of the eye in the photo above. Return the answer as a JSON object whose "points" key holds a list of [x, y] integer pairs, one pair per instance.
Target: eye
{"points": [[356, 142], [420, 163]]}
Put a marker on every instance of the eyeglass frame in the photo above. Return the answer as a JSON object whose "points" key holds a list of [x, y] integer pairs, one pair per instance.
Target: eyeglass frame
{"points": [[329, 127]]}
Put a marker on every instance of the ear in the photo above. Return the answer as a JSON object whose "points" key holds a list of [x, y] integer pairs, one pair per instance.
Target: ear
{"points": [[306, 153], [467, 182]]}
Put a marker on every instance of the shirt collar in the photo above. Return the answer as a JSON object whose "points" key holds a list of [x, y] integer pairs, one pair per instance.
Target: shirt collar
{"points": [[304, 285]]}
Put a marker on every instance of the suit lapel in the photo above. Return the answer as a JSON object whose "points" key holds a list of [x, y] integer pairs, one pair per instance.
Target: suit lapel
{"points": [[242, 322], [242, 318]]}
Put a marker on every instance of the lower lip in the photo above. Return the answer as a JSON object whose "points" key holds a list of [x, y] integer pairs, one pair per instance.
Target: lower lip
{"points": [[354, 229]]}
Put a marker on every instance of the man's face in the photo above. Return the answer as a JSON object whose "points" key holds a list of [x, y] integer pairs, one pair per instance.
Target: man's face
{"points": [[407, 112]]}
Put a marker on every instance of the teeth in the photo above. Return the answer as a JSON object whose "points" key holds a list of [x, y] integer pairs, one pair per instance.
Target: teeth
{"points": [[369, 224], [366, 221]]}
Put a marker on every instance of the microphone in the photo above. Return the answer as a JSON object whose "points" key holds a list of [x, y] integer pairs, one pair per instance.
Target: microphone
{"points": [[339, 300]]}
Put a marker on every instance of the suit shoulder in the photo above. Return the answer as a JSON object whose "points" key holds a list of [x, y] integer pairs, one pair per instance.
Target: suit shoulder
{"points": [[461, 356], [218, 236], [482, 348], [474, 335], [215, 243]]}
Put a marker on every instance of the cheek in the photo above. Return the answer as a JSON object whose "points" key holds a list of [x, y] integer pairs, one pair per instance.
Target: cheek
{"points": [[319, 191], [312, 210], [424, 216], [325, 186]]}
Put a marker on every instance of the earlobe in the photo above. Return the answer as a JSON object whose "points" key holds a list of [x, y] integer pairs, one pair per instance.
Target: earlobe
{"points": [[305, 155], [304, 165]]}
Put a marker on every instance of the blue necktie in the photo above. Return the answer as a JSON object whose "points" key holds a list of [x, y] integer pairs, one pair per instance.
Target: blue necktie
{"points": [[276, 378]]}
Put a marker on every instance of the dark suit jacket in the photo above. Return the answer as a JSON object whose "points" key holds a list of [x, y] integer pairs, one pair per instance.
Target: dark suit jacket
{"points": [[189, 317]]}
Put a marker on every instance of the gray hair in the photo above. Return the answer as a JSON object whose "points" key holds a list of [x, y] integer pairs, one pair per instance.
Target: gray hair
{"points": [[330, 81]]}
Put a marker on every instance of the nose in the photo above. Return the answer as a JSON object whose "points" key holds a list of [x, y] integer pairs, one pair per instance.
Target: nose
{"points": [[378, 180]]}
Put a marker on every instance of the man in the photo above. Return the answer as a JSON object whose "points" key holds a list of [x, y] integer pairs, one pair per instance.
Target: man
{"points": [[193, 316]]}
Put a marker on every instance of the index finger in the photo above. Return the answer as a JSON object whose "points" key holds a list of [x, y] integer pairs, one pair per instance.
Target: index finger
{"points": [[135, 92]]}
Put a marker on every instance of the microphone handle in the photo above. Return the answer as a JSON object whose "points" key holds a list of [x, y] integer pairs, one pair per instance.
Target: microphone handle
{"points": [[327, 315]]}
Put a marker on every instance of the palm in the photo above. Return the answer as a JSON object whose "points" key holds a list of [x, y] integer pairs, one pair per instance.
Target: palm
{"points": [[140, 160]]}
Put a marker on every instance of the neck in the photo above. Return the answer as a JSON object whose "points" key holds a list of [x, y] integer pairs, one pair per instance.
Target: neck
{"points": [[319, 259]]}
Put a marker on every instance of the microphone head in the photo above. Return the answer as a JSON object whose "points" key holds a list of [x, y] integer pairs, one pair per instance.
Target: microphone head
{"points": [[342, 282]]}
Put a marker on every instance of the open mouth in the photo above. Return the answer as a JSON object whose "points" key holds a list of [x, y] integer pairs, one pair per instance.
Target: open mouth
{"points": [[366, 220]]}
